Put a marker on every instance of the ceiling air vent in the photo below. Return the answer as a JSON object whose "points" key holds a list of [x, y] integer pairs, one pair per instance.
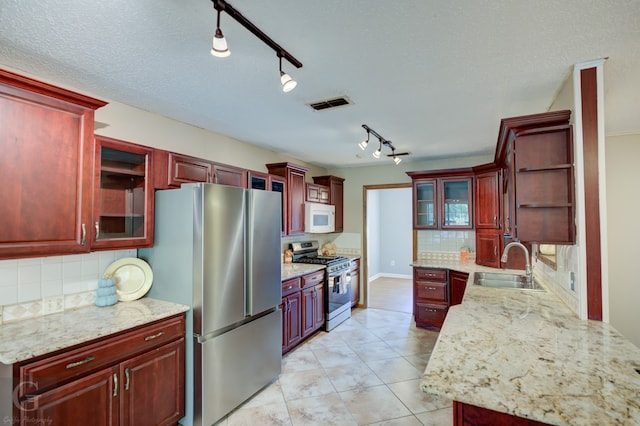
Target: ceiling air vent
{"points": [[330, 103]]}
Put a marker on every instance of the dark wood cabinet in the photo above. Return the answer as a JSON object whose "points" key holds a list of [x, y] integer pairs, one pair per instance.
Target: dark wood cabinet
{"points": [[487, 200], [457, 286], [123, 197], [443, 199], [430, 297], [312, 309], [186, 169], [295, 195], [488, 247], [228, 175], [46, 136], [317, 193], [536, 152], [336, 197], [160, 370], [133, 377], [291, 314], [471, 415], [355, 282]]}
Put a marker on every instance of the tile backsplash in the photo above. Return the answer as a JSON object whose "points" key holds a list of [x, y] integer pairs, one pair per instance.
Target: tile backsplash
{"points": [[446, 241], [44, 285]]}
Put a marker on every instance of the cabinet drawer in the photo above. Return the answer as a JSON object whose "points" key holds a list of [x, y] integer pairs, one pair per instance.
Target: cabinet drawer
{"points": [[430, 274], [431, 313], [313, 279], [58, 369], [431, 291], [290, 286]]}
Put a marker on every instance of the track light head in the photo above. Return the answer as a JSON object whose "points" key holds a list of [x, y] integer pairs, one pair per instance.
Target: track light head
{"points": [[378, 151], [219, 47], [397, 160], [363, 144], [288, 83]]}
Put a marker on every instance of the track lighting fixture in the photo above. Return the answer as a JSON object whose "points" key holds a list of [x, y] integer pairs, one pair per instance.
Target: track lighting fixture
{"points": [[382, 142], [288, 83], [221, 50]]}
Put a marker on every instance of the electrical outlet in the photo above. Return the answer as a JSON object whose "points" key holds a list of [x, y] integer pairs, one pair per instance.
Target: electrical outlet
{"points": [[393, 263], [572, 278], [53, 304]]}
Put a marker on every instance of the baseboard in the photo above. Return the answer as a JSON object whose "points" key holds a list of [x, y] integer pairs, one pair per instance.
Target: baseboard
{"points": [[386, 275]]}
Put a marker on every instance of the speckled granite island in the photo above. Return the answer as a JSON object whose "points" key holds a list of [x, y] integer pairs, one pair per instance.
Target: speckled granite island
{"points": [[526, 354]]}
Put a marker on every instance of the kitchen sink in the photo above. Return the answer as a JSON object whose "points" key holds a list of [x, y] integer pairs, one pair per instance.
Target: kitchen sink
{"points": [[515, 281]]}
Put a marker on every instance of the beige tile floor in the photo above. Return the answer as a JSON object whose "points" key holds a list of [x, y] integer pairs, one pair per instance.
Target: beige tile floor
{"points": [[365, 372]]}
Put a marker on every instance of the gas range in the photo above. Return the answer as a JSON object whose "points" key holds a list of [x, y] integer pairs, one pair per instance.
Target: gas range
{"points": [[307, 252]]}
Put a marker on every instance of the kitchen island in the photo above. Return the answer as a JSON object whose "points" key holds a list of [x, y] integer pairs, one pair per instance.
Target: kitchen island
{"points": [[526, 354]]}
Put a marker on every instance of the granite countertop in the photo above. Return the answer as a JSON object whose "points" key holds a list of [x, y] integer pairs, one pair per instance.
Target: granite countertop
{"points": [[293, 270], [525, 353], [22, 340]]}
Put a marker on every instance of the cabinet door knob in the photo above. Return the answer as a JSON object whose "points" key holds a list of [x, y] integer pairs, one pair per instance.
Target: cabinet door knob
{"points": [[97, 225], [495, 250], [84, 234], [115, 384]]}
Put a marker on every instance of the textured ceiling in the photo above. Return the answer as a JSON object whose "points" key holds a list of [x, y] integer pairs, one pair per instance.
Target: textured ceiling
{"points": [[434, 77]]}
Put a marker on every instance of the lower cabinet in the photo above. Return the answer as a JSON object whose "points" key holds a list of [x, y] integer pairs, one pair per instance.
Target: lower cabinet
{"points": [[291, 314], [466, 414], [302, 308], [430, 297], [457, 286], [355, 282], [132, 378]]}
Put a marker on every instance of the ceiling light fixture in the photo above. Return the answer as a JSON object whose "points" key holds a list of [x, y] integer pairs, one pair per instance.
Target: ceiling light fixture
{"points": [[382, 142], [220, 44], [219, 48]]}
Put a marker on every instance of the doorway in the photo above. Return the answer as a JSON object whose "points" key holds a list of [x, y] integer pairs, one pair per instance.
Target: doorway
{"points": [[387, 247]]}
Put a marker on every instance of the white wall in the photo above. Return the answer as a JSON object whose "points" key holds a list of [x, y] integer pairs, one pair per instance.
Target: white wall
{"points": [[396, 231], [623, 226]]}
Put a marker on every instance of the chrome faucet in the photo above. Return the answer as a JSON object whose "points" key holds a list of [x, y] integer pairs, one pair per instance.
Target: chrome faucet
{"points": [[527, 269]]}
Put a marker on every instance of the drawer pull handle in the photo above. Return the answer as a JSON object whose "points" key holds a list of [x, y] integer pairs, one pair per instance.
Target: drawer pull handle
{"points": [[430, 288], [78, 363], [431, 310], [126, 383], [290, 287], [115, 384], [153, 336]]}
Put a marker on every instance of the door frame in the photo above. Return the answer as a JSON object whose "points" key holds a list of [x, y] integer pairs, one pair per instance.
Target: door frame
{"points": [[364, 265]]}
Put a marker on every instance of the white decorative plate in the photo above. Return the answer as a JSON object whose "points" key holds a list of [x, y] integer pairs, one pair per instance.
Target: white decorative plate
{"points": [[133, 278]]}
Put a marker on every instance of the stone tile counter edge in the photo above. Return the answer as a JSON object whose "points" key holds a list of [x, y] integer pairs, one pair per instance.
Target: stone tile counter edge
{"points": [[293, 270], [22, 340], [526, 354]]}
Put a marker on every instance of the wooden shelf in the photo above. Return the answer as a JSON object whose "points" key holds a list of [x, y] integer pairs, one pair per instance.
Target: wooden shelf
{"points": [[122, 171]]}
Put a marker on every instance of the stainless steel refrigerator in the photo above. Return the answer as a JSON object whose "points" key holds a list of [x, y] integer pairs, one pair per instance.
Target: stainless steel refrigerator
{"points": [[217, 248]]}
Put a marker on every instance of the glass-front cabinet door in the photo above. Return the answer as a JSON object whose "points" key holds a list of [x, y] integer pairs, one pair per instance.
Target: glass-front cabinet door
{"points": [[123, 195], [456, 203], [424, 202]]}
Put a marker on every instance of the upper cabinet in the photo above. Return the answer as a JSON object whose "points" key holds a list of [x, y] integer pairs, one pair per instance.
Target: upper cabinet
{"points": [[336, 197], [293, 212], [123, 195], [173, 169], [487, 200], [46, 139], [317, 193], [538, 194], [442, 199]]}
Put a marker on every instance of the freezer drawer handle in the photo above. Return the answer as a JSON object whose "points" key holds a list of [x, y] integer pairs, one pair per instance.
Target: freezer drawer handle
{"points": [[78, 363], [153, 336]]}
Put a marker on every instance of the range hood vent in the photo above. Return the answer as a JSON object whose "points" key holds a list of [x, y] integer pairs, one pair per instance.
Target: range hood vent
{"points": [[330, 103]]}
